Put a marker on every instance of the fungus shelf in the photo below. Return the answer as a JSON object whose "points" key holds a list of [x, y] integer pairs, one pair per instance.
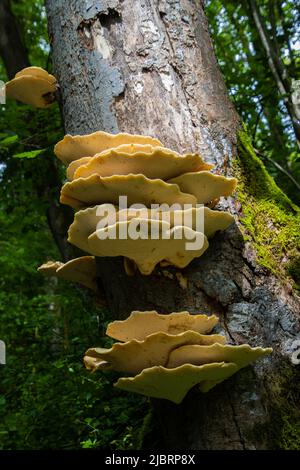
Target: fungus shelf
{"points": [[169, 354], [33, 86]]}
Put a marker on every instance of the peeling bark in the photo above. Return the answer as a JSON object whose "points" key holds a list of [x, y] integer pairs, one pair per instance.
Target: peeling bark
{"points": [[149, 67]]}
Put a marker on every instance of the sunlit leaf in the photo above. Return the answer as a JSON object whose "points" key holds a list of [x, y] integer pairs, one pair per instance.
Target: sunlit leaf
{"points": [[31, 154]]}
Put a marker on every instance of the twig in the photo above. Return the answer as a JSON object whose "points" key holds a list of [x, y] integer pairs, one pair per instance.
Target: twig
{"points": [[279, 167]]}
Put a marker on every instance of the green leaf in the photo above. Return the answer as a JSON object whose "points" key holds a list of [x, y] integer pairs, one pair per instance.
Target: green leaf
{"points": [[31, 154], [9, 140]]}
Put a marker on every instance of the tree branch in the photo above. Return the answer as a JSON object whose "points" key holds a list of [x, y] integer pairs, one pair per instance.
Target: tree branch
{"points": [[279, 167]]}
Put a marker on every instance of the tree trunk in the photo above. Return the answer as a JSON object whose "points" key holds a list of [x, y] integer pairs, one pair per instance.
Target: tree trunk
{"points": [[149, 67], [12, 49]]}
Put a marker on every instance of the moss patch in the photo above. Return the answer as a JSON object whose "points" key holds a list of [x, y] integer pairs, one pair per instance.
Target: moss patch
{"points": [[269, 218]]}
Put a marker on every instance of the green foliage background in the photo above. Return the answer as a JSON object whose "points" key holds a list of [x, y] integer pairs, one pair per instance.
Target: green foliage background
{"points": [[250, 82], [47, 399]]}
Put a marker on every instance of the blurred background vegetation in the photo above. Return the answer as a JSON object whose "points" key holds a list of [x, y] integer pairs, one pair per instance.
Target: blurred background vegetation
{"points": [[254, 87], [47, 399]]}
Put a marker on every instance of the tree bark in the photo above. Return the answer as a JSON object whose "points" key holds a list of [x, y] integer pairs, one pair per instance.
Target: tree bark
{"points": [[149, 67], [12, 49]]}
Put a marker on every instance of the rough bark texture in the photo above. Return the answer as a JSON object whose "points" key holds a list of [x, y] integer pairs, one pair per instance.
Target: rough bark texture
{"points": [[12, 49], [149, 67]]}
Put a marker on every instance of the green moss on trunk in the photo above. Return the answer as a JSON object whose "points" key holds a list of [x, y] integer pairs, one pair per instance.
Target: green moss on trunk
{"points": [[270, 220]]}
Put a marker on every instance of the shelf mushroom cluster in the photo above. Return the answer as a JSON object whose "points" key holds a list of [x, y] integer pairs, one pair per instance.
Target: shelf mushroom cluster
{"points": [[166, 355], [33, 86], [81, 270], [102, 167]]}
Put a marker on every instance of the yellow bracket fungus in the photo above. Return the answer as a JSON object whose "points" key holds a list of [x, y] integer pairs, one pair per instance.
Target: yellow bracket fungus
{"points": [[85, 223], [50, 268], [152, 162], [33, 86], [147, 252], [241, 355], [173, 384], [72, 148], [194, 354], [93, 190], [213, 221], [127, 148], [75, 165], [185, 361], [80, 270], [139, 325], [37, 72], [86, 220], [134, 356], [168, 354], [205, 186]]}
